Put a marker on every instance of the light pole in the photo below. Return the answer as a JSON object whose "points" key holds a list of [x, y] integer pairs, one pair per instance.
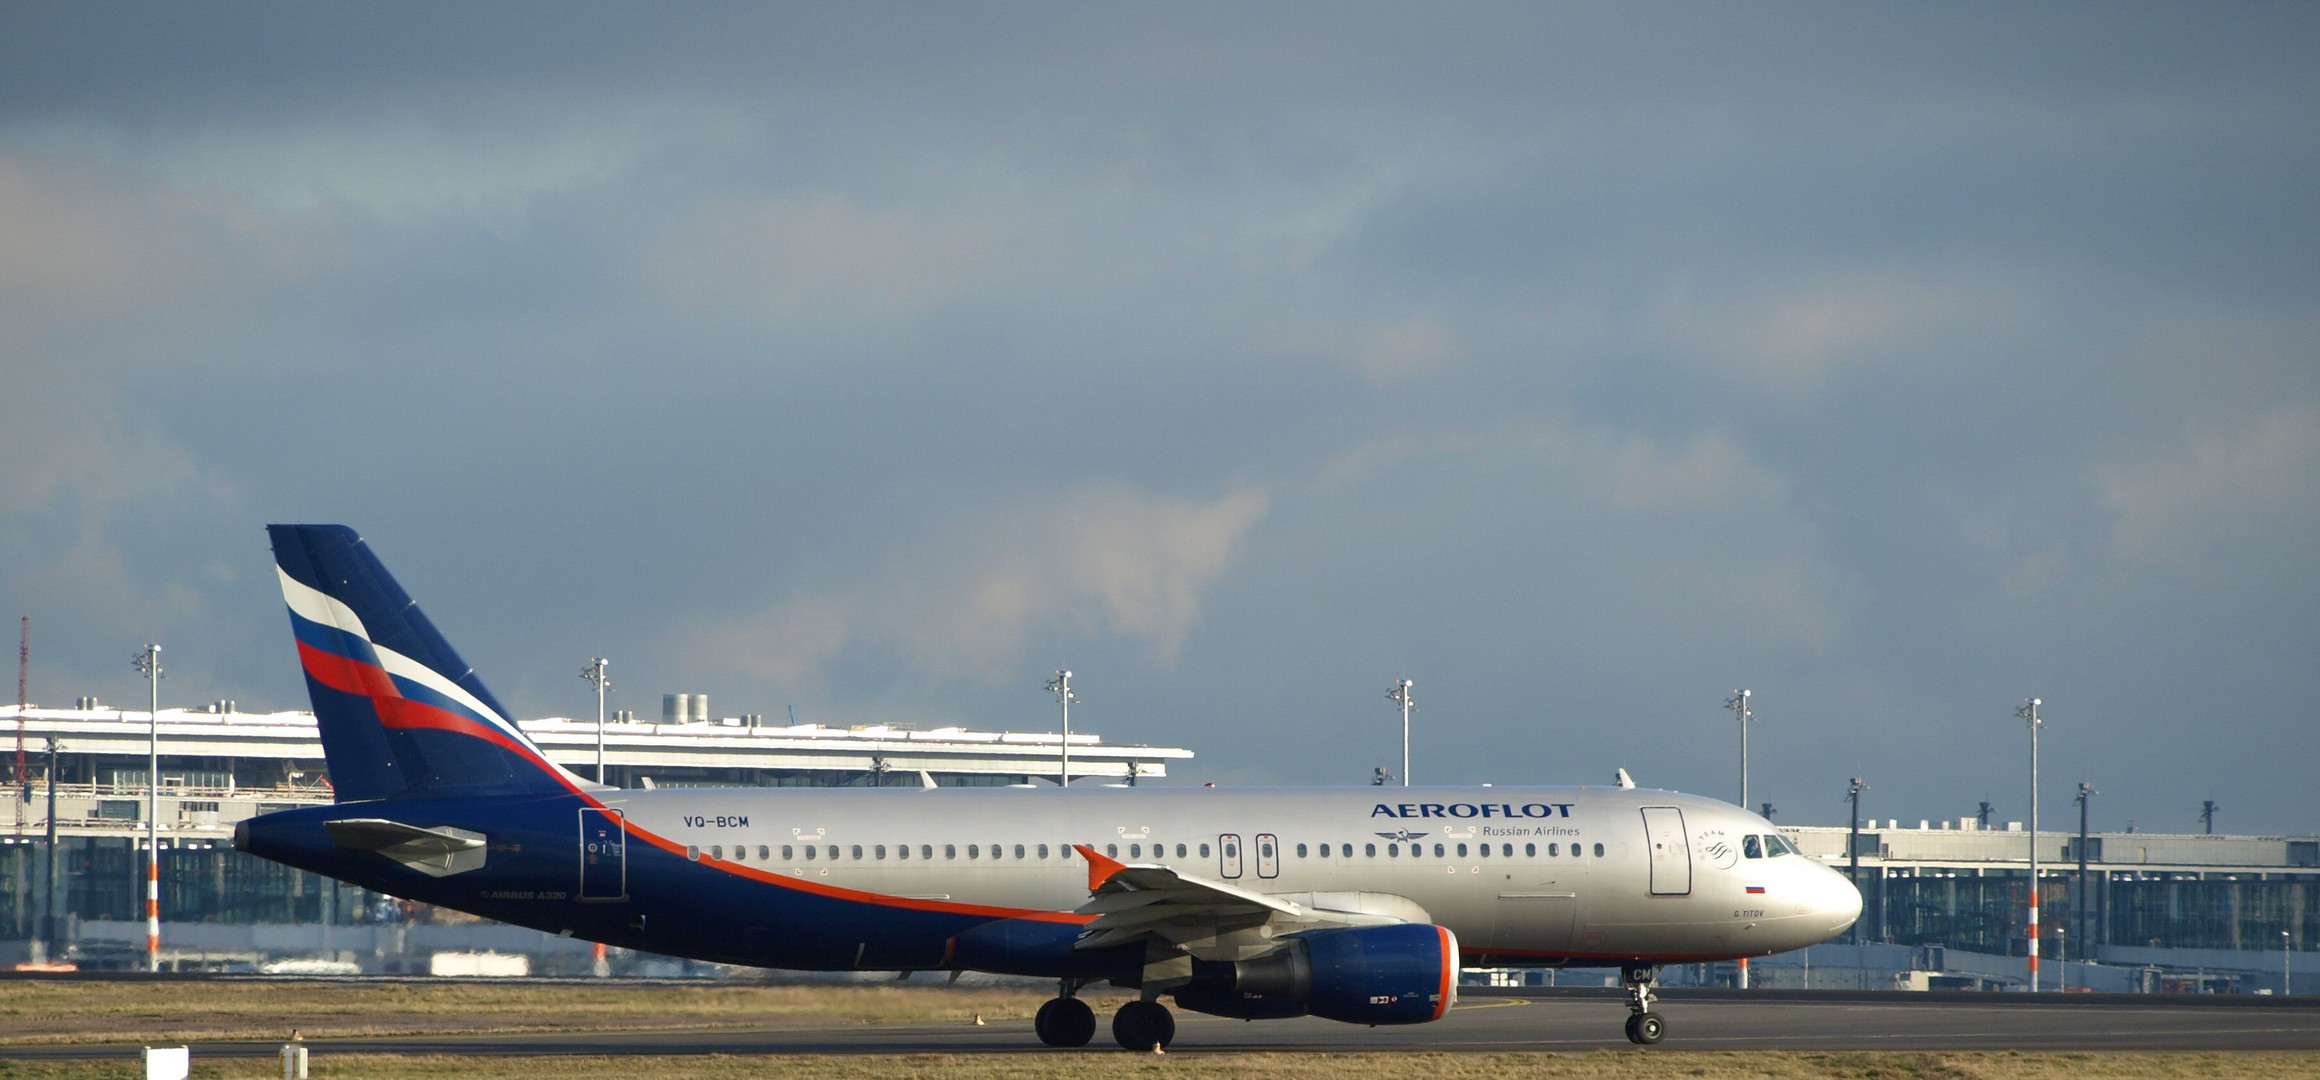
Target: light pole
{"points": [[2081, 901], [1400, 695], [1853, 846], [2029, 712], [1060, 686], [148, 664], [2286, 954], [595, 675], [1739, 707]]}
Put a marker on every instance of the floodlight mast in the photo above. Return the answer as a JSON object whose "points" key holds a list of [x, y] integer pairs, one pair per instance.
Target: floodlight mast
{"points": [[148, 664], [1399, 694], [1739, 706], [595, 675], [1060, 686], [2029, 712]]}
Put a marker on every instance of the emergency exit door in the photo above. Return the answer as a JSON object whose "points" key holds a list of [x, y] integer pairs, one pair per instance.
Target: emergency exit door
{"points": [[1671, 853], [603, 855], [1268, 856], [1228, 852]]}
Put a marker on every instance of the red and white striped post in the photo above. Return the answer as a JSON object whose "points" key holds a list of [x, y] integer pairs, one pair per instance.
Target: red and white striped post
{"points": [[2029, 712], [149, 664]]}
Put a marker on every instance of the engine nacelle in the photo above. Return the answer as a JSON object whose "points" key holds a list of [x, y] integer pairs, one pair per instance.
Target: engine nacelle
{"points": [[1405, 974]]}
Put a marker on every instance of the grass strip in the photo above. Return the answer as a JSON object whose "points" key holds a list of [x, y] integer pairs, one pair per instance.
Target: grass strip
{"points": [[1594, 1065]]}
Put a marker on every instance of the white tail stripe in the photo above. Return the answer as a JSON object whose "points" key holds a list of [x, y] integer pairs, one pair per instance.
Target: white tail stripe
{"points": [[314, 605]]}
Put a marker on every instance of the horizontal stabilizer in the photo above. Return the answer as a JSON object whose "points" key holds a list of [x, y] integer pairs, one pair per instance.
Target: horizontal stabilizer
{"points": [[434, 852]]}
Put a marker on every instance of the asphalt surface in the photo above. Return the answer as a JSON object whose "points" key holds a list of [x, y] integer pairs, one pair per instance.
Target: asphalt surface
{"points": [[1521, 1020]]}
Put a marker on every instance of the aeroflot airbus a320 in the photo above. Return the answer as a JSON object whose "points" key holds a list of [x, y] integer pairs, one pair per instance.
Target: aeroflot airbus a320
{"points": [[1358, 904]]}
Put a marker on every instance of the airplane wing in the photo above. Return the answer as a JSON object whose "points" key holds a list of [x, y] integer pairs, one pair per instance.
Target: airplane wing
{"points": [[1149, 901]]}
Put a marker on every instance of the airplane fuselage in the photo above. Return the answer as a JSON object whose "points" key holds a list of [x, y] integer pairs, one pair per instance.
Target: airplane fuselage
{"points": [[892, 879]]}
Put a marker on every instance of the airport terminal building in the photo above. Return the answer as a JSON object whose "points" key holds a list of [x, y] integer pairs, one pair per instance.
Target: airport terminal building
{"points": [[77, 804]]}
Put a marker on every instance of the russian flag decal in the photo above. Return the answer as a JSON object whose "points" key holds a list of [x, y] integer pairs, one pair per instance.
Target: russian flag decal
{"points": [[1755, 890]]}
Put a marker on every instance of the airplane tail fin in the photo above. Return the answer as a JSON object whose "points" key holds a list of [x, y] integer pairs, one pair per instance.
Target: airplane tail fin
{"points": [[399, 711]]}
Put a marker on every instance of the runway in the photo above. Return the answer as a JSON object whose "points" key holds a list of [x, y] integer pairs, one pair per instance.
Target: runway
{"points": [[1522, 1021]]}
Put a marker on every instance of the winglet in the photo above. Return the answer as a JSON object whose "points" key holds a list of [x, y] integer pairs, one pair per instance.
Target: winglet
{"points": [[1100, 869]]}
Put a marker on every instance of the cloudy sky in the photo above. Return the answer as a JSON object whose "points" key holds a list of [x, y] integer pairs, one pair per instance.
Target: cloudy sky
{"points": [[1582, 364]]}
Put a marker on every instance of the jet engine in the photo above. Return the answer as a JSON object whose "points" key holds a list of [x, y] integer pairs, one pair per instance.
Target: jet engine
{"points": [[1404, 974]]}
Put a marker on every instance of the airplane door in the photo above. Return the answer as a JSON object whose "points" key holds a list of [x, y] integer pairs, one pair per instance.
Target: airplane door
{"points": [[1268, 856], [603, 855], [1671, 854], [1228, 849]]}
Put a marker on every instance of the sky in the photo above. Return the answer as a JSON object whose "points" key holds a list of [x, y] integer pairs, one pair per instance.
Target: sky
{"points": [[1582, 364]]}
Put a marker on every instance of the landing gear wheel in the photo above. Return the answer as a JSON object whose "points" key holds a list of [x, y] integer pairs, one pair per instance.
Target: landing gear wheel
{"points": [[1142, 1025], [1646, 1029], [1065, 1022]]}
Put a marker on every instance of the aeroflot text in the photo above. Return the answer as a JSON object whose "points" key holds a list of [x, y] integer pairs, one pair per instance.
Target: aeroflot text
{"points": [[1470, 810]]}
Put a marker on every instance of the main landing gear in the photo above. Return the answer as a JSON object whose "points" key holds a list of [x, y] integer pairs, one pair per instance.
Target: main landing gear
{"points": [[1144, 1026], [1066, 1021], [1644, 1027]]}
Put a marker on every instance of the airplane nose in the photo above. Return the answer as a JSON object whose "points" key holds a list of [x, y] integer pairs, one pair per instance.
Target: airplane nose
{"points": [[1840, 902]]}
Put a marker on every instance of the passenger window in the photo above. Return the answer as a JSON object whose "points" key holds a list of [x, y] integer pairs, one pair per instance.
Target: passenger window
{"points": [[1018, 851], [1461, 851], [787, 855], [1347, 851], [1204, 851], [717, 851], [692, 853], [1752, 848], [950, 851], [1111, 851], [1180, 851], [879, 851], [902, 851], [1598, 851], [764, 853], [974, 852], [1528, 849], [1042, 851], [857, 851], [1369, 850], [1554, 850], [809, 853], [1485, 851], [1394, 851], [1300, 851], [926, 851], [1135, 851]]}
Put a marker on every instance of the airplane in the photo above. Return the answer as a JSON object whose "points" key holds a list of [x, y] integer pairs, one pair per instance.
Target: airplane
{"points": [[1358, 905]]}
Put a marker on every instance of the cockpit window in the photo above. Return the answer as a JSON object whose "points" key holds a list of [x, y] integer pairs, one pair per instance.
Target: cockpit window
{"points": [[1751, 848], [1777, 846]]}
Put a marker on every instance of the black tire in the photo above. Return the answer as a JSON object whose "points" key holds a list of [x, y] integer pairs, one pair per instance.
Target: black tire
{"points": [[1142, 1025], [1633, 1035], [1065, 1023], [1647, 1029]]}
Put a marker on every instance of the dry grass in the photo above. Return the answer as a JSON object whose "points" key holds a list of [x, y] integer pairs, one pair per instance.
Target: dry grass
{"points": [[33, 1011], [1603, 1065]]}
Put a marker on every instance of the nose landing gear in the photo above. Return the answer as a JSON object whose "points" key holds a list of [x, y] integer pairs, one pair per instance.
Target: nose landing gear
{"points": [[1066, 1021], [1644, 1027]]}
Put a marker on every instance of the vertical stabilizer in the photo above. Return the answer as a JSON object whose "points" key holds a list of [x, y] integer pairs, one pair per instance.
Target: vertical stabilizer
{"points": [[399, 711]]}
